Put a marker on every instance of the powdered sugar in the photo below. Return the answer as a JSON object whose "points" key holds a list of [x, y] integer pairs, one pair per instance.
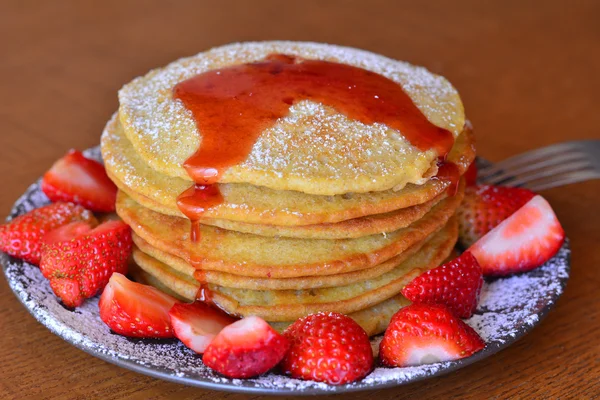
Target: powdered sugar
{"points": [[508, 309]]}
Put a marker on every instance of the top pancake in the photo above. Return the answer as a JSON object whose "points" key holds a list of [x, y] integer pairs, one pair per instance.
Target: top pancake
{"points": [[314, 149]]}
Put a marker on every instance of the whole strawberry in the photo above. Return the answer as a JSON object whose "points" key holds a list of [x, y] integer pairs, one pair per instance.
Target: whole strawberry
{"points": [[423, 334], [328, 347], [22, 237], [456, 284], [79, 261], [484, 207]]}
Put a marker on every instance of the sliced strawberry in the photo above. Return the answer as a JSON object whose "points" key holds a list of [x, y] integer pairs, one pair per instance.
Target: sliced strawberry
{"points": [[79, 260], [524, 241], [484, 207], [456, 284], [136, 310], [22, 237], [328, 347], [246, 348], [80, 180], [66, 233], [196, 324], [424, 334], [471, 174]]}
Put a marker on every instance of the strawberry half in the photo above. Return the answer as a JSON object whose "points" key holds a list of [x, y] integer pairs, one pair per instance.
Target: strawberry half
{"points": [[328, 347], [456, 284], [524, 241], [196, 324], [79, 260], [246, 348], [82, 181], [23, 236], [484, 207], [424, 334], [136, 310], [65, 233]]}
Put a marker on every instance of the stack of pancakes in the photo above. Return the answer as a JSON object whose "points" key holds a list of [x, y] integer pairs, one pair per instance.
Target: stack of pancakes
{"points": [[325, 214]]}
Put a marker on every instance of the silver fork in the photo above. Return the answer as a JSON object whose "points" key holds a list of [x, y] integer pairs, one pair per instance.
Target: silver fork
{"points": [[547, 167]]}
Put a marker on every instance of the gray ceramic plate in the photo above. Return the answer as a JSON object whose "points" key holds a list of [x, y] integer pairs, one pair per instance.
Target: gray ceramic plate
{"points": [[509, 309]]}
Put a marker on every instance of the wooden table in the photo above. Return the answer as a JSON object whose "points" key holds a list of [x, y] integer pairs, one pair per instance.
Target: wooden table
{"points": [[529, 76]]}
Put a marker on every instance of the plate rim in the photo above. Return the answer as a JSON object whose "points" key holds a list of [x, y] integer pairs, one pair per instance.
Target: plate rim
{"points": [[206, 383]]}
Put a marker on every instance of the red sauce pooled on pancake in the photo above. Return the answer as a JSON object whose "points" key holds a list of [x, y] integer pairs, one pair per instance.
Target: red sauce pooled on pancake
{"points": [[233, 105]]}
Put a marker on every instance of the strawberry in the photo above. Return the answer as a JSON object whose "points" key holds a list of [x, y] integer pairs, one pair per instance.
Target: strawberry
{"points": [[22, 237], [65, 233], [524, 241], [80, 180], [423, 334], [79, 260], [471, 174], [136, 310], [484, 207], [456, 284], [328, 347], [196, 324], [246, 348]]}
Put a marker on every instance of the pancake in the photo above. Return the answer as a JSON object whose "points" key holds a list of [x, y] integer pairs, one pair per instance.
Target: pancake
{"points": [[253, 283], [259, 205], [353, 228], [373, 320], [302, 201], [259, 256], [342, 155], [284, 305]]}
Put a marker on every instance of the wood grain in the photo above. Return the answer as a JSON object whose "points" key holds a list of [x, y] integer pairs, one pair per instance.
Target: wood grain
{"points": [[528, 75]]}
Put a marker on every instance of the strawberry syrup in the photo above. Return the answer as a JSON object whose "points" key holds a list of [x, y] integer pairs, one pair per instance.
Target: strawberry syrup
{"points": [[448, 171]]}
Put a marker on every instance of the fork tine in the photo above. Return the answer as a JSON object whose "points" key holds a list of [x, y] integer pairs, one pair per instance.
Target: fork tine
{"points": [[530, 156], [559, 161], [527, 157], [567, 179], [555, 171]]}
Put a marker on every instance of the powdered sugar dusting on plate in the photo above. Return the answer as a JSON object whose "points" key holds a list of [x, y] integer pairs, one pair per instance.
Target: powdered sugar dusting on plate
{"points": [[509, 308]]}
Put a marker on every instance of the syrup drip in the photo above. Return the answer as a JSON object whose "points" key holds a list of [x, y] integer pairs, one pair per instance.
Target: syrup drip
{"points": [[195, 232], [194, 202], [205, 294], [448, 171], [233, 105]]}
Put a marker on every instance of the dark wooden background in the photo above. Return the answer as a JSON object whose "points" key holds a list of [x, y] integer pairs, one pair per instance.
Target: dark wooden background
{"points": [[528, 72]]}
